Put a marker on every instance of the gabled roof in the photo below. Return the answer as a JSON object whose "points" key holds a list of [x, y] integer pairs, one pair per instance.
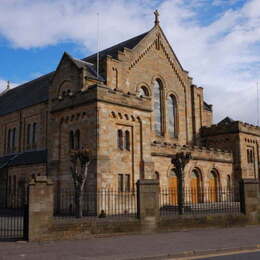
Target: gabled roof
{"points": [[112, 51], [90, 68], [36, 91], [226, 121]]}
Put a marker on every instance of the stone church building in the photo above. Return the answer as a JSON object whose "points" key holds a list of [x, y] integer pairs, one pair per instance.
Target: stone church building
{"points": [[139, 110]]}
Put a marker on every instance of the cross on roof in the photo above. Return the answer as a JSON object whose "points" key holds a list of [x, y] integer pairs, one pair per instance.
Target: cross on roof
{"points": [[156, 14]]}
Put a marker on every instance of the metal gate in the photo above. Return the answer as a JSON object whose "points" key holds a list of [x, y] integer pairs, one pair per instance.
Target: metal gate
{"points": [[13, 215]]}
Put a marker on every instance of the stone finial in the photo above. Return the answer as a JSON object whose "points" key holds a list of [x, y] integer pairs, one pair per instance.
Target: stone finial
{"points": [[156, 14]]}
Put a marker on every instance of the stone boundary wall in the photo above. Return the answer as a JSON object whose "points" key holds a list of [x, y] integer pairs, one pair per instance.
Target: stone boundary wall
{"points": [[72, 228], [44, 226]]}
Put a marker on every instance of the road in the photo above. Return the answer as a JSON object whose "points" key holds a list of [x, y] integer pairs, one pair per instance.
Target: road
{"points": [[244, 255]]}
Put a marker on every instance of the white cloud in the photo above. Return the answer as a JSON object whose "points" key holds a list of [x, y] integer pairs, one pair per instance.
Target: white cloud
{"points": [[3, 85], [40, 23], [224, 2], [222, 56]]}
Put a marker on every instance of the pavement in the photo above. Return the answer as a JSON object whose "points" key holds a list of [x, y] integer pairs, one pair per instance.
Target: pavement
{"points": [[143, 246]]}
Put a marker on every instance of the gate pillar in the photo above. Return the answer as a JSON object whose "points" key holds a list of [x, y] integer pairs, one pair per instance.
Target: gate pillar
{"points": [[148, 203], [250, 199], [40, 203]]}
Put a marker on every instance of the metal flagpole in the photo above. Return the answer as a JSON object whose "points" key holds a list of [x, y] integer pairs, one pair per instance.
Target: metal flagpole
{"points": [[98, 45]]}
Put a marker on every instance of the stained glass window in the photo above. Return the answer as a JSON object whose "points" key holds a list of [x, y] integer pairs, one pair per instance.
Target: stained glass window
{"points": [[157, 108], [172, 112]]}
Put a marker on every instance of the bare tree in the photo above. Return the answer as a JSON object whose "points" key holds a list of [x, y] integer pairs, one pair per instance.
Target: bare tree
{"points": [[180, 160], [80, 161]]}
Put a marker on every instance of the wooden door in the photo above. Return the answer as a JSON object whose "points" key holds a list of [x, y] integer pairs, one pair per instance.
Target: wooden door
{"points": [[213, 186], [195, 189], [173, 190]]}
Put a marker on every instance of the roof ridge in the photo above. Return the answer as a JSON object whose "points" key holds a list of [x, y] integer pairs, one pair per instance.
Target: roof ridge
{"points": [[17, 98], [117, 45], [27, 82], [83, 60]]}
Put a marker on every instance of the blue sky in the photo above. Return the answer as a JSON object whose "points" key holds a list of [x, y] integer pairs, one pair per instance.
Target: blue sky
{"points": [[218, 41]]}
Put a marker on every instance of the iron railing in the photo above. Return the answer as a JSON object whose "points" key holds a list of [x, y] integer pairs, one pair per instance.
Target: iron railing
{"points": [[102, 203], [13, 215], [204, 201]]}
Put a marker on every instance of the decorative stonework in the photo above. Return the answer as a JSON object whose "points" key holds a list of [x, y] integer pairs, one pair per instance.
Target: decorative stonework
{"points": [[120, 116], [141, 56]]}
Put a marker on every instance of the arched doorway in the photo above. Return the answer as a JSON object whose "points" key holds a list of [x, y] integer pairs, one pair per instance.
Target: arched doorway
{"points": [[228, 190], [228, 183], [213, 186], [173, 186], [195, 186]]}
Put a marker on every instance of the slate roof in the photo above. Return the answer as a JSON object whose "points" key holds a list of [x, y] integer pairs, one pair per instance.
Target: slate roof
{"points": [[112, 51], [36, 91], [25, 158], [226, 121], [207, 106], [28, 94], [91, 71]]}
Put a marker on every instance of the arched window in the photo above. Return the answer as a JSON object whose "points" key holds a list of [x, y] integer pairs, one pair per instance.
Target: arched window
{"points": [[248, 155], [9, 141], [120, 141], [252, 156], [143, 92], [172, 115], [77, 139], [127, 140], [29, 134], [13, 139], [34, 133], [158, 107], [157, 175], [14, 184], [71, 140]]}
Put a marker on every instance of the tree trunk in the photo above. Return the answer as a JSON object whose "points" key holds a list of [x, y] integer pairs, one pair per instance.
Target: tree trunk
{"points": [[78, 203]]}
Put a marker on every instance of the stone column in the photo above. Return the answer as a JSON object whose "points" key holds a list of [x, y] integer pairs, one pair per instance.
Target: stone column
{"points": [[41, 202], [250, 199], [148, 203]]}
